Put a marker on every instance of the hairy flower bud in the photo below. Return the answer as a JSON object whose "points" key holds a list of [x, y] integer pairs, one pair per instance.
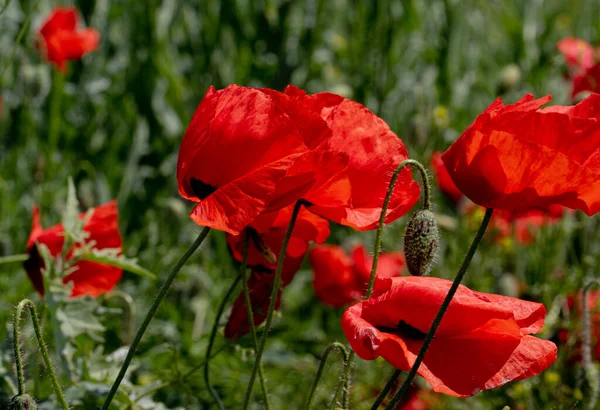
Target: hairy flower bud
{"points": [[421, 242], [22, 402]]}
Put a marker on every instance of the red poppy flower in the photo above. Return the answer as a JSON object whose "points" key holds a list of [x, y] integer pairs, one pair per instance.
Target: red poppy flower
{"points": [[521, 157], [61, 41], [88, 278], [250, 151], [483, 341], [444, 180], [584, 64], [374, 152], [340, 279], [266, 237]]}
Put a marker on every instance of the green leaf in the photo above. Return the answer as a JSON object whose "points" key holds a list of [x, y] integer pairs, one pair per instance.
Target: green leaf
{"points": [[112, 257]]}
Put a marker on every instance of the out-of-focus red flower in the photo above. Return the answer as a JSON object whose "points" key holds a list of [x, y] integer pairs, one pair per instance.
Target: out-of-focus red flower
{"points": [[575, 305], [584, 64], [88, 278], [374, 152], [483, 341], [444, 181], [522, 157], [62, 41], [250, 151], [340, 279], [523, 226], [265, 241]]}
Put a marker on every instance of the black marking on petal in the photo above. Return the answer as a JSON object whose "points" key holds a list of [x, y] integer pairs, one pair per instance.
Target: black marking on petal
{"points": [[404, 331], [201, 189]]}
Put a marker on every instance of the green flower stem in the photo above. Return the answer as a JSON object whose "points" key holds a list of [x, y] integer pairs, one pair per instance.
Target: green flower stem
{"points": [[129, 309], [211, 342], [274, 293], [159, 298], [41, 343], [14, 258], [377, 250], [333, 346], [250, 314], [591, 372], [55, 118], [445, 304], [386, 389]]}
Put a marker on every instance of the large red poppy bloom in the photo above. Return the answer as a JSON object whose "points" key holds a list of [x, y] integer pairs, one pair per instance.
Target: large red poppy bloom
{"points": [[340, 279], [521, 156], [88, 278], [265, 240], [374, 152], [61, 41], [584, 64], [444, 180], [483, 341], [251, 151]]}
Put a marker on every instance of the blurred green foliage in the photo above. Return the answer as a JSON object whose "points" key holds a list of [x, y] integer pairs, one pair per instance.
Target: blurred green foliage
{"points": [[114, 123]]}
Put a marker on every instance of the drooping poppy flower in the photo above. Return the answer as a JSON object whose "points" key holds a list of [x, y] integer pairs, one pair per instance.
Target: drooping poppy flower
{"points": [[482, 342], [374, 152], [250, 151], [62, 41], [340, 279], [444, 181], [88, 278], [522, 156], [265, 242], [584, 64]]}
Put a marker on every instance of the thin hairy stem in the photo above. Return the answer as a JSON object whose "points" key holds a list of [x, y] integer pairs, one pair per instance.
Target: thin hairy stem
{"points": [[273, 302], [155, 305], [386, 389], [445, 304], [43, 349], [333, 346]]}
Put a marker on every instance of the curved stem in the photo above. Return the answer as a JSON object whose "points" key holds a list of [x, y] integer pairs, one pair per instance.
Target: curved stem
{"points": [[377, 250], [445, 304], [386, 389], [273, 302], [250, 314], [129, 312], [211, 341], [337, 346], [140, 333], [41, 343]]}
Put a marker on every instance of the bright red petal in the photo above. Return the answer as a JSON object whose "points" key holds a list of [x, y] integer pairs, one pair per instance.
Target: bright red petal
{"points": [[62, 18], [444, 180], [333, 279], [578, 53]]}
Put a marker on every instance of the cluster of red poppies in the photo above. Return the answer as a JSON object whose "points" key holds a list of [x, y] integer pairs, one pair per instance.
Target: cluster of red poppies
{"points": [[252, 157]]}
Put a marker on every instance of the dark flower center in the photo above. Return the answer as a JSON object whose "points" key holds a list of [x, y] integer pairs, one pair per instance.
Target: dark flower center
{"points": [[404, 331], [201, 189]]}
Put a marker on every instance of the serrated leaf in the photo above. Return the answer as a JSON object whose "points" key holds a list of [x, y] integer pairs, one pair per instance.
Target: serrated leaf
{"points": [[112, 257], [77, 317]]}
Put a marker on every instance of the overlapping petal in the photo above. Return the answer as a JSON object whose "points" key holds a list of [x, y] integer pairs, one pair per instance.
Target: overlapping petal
{"points": [[444, 181]]}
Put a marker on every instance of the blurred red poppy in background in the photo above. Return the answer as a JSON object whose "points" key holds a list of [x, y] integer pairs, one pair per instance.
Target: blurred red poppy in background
{"points": [[265, 241], [483, 341], [373, 151], [62, 41], [445, 183], [88, 278], [249, 151], [584, 64], [521, 157], [340, 279], [575, 305]]}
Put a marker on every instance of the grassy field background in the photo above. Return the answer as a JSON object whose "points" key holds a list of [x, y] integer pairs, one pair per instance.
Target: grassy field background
{"points": [[428, 68]]}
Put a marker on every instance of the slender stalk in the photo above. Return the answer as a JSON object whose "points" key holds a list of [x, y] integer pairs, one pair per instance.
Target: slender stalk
{"points": [[211, 341], [155, 305], [336, 393], [14, 258], [129, 310], [332, 346], [250, 314], [377, 250], [591, 372], [445, 304], [274, 293], [386, 389], [42, 345], [55, 118]]}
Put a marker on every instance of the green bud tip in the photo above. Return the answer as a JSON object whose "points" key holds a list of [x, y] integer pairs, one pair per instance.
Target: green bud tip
{"points": [[421, 242]]}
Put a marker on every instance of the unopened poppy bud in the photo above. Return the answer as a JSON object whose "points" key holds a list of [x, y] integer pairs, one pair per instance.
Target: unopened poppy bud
{"points": [[509, 78], [421, 242], [22, 402]]}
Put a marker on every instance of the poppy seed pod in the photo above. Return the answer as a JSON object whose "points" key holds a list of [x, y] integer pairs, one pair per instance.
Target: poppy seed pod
{"points": [[421, 242], [22, 402]]}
